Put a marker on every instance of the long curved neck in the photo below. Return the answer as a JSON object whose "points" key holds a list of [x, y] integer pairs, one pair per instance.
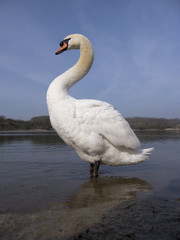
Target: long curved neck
{"points": [[59, 88]]}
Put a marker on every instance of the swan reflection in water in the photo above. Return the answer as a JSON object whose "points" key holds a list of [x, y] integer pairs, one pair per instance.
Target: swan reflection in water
{"points": [[107, 189]]}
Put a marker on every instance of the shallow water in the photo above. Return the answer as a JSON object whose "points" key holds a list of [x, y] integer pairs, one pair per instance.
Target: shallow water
{"points": [[38, 171]]}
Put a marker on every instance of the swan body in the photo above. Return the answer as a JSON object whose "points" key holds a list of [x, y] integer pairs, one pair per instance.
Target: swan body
{"points": [[94, 129]]}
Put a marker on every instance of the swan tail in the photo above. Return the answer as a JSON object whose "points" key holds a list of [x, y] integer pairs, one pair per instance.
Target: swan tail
{"points": [[126, 157], [147, 151], [141, 155]]}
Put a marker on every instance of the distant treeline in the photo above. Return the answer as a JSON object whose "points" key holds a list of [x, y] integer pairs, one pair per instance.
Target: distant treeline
{"points": [[35, 123], [142, 123], [43, 123]]}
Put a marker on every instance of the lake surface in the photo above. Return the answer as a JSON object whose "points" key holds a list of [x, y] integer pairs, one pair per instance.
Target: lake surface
{"points": [[38, 171]]}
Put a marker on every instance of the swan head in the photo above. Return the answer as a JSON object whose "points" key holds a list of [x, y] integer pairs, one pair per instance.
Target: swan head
{"points": [[73, 41]]}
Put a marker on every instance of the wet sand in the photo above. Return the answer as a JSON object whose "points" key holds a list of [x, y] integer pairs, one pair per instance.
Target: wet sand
{"points": [[133, 219]]}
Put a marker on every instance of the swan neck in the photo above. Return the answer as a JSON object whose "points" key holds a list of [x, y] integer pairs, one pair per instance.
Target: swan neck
{"points": [[59, 88], [82, 67]]}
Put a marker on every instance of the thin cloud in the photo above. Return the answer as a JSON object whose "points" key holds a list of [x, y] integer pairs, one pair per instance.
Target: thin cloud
{"points": [[19, 67]]}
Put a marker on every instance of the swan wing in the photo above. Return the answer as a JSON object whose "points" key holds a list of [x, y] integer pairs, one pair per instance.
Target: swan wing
{"points": [[86, 124], [70, 121], [102, 119]]}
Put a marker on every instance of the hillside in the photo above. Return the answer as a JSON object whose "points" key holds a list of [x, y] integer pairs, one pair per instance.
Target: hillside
{"points": [[42, 122]]}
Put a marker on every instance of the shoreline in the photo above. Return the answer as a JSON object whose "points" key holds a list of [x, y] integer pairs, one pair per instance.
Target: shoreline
{"points": [[147, 218], [143, 219]]}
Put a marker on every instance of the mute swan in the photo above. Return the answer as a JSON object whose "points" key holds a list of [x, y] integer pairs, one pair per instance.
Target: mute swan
{"points": [[94, 129]]}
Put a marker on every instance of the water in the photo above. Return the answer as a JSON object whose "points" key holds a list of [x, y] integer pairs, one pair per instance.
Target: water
{"points": [[38, 171]]}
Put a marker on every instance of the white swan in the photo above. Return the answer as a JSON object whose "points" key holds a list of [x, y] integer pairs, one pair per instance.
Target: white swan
{"points": [[94, 129]]}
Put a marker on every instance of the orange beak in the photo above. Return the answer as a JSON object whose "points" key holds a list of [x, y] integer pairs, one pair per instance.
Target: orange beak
{"points": [[62, 48]]}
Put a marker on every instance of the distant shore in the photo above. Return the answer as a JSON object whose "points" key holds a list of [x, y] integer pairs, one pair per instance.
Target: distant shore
{"points": [[45, 130], [28, 130], [42, 123]]}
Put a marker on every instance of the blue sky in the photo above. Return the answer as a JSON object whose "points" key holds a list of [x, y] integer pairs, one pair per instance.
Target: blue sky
{"points": [[136, 47]]}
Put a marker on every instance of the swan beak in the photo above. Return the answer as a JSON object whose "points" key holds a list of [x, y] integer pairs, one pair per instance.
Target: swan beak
{"points": [[62, 48]]}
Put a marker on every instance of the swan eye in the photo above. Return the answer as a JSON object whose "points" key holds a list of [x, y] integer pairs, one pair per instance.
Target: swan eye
{"points": [[64, 41], [61, 43]]}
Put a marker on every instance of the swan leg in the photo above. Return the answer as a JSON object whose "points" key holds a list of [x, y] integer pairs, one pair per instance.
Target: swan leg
{"points": [[96, 168], [91, 169]]}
